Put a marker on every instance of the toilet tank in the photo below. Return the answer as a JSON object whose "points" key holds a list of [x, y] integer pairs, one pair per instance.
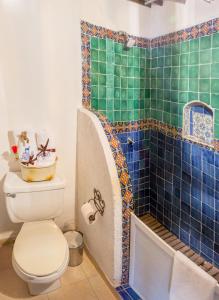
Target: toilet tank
{"points": [[33, 201]]}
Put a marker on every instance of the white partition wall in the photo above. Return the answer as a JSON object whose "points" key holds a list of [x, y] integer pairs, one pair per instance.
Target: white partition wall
{"points": [[96, 169]]}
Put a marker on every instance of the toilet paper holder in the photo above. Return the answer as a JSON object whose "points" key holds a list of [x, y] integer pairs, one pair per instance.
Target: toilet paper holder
{"points": [[99, 203]]}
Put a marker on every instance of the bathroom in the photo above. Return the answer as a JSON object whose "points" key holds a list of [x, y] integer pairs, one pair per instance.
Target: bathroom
{"points": [[119, 84]]}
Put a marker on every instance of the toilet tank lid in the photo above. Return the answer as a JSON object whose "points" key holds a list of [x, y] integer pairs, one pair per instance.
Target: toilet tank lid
{"points": [[14, 183]]}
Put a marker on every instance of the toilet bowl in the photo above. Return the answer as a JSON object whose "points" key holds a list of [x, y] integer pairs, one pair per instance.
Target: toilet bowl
{"points": [[40, 253], [40, 256]]}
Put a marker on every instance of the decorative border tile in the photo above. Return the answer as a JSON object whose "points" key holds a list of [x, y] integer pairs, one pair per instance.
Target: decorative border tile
{"points": [[126, 190], [161, 127], [193, 32]]}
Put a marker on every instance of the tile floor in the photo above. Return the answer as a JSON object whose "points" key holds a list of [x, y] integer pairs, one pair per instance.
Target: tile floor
{"points": [[83, 282]]}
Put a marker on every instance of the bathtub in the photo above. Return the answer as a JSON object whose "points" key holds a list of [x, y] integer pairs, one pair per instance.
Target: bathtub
{"points": [[151, 261]]}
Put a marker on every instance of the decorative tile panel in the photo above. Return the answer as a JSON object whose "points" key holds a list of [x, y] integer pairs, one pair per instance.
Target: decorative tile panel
{"points": [[198, 123]]}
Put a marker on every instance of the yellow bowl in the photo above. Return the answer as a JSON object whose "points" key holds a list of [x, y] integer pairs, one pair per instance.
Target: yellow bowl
{"points": [[31, 173]]}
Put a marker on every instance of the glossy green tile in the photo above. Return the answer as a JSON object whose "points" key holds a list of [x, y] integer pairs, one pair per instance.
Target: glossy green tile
{"points": [[94, 67], [205, 97], [215, 70], [184, 72], [215, 55], [193, 96], [168, 61], [205, 56], [193, 85], [94, 54], [185, 47], [215, 40], [94, 79], [193, 71], [175, 72], [94, 92], [102, 79], [176, 48], [94, 103], [102, 56], [194, 45], [215, 100], [102, 104], [205, 71], [184, 59], [205, 42], [215, 86], [102, 68], [94, 43], [102, 91], [204, 85], [117, 116], [184, 85], [102, 44], [175, 60], [183, 97], [117, 81], [174, 84], [118, 48], [194, 58]]}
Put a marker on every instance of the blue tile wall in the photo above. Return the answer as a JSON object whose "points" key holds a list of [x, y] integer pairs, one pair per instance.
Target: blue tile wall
{"points": [[178, 183], [127, 293], [184, 195], [137, 156]]}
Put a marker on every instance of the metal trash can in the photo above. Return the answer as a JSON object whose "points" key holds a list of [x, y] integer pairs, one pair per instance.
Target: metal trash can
{"points": [[76, 246]]}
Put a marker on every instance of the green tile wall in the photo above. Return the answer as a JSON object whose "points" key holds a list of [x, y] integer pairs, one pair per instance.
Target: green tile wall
{"points": [[184, 72], [134, 84], [120, 80]]}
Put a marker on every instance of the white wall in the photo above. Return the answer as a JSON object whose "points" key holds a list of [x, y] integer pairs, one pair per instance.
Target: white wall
{"points": [[40, 67], [40, 73], [175, 16]]}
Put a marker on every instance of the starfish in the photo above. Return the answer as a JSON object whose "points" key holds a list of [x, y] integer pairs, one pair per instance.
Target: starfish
{"points": [[43, 149]]}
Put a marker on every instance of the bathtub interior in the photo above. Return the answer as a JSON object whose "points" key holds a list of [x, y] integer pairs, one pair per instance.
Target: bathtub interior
{"points": [[151, 261]]}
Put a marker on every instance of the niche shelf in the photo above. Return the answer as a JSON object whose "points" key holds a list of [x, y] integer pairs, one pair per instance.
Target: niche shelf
{"points": [[198, 123]]}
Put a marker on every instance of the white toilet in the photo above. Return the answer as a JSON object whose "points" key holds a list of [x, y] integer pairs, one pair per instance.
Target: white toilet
{"points": [[40, 253]]}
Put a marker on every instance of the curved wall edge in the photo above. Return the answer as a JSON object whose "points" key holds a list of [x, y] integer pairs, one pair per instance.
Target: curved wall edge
{"points": [[101, 164]]}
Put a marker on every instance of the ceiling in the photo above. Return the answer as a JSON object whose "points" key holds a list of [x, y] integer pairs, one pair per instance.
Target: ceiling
{"points": [[149, 3]]}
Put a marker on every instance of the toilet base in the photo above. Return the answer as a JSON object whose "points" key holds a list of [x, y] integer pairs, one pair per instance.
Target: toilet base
{"points": [[43, 288]]}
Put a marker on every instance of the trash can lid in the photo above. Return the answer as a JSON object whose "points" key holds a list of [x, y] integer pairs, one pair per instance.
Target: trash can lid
{"points": [[74, 239]]}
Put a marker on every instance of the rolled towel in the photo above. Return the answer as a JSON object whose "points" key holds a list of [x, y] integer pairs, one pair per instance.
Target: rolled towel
{"points": [[27, 146], [190, 282], [46, 149]]}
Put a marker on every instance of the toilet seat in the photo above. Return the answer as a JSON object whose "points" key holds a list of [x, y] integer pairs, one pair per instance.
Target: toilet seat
{"points": [[40, 250]]}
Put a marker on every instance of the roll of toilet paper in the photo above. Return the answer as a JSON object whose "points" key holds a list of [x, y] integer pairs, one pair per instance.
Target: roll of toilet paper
{"points": [[88, 210]]}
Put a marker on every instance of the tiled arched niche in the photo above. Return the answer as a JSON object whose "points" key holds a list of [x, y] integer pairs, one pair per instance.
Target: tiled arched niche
{"points": [[198, 123]]}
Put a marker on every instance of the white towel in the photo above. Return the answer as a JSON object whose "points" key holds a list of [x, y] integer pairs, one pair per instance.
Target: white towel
{"points": [[190, 282], [49, 157]]}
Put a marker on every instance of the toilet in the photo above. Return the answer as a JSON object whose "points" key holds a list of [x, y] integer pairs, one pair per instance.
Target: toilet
{"points": [[40, 253]]}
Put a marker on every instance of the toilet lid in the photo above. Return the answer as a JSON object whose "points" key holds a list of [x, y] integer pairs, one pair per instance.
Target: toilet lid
{"points": [[40, 248]]}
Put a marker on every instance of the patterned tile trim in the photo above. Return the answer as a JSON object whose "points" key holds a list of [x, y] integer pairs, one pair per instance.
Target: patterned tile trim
{"points": [[190, 33], [101, 32], [126, 190], [161, 127]]}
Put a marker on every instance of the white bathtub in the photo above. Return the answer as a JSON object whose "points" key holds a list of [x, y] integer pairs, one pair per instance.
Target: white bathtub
{"points": [[151, 263]]}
